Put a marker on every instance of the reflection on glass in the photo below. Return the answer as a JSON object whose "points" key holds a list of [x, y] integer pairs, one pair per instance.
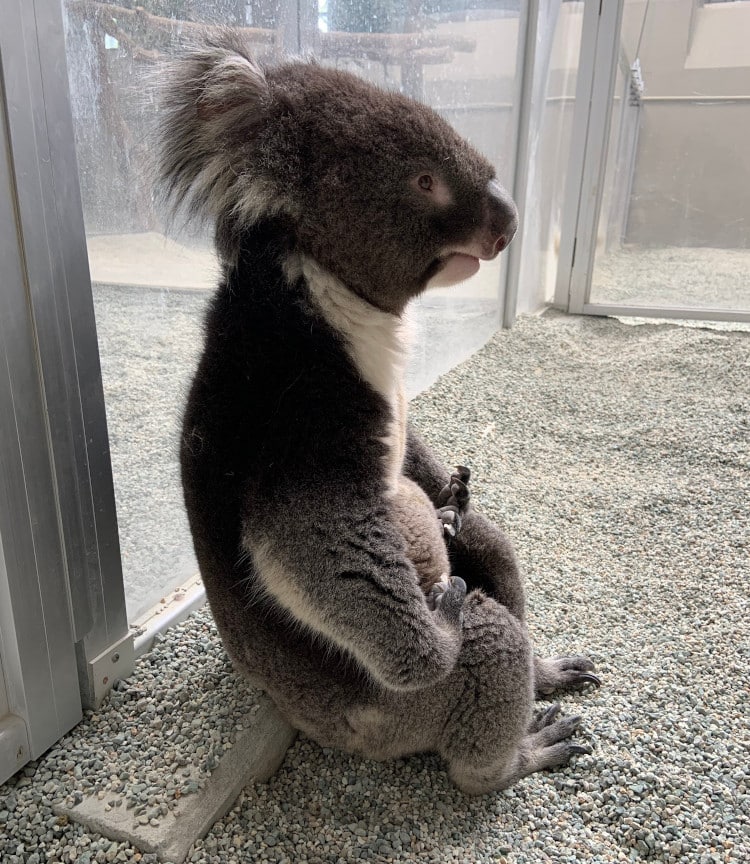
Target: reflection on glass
{"points": [[149, 291], [459, 56], [674, 229], [551, 126]]}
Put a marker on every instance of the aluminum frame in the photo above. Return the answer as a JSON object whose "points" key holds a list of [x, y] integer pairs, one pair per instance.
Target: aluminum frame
{"points": [[591, 127], [56, 346], [522, 108], [36, 629]]}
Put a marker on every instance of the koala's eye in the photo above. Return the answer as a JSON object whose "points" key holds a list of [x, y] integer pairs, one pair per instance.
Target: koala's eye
{"points": [[425, 182]]}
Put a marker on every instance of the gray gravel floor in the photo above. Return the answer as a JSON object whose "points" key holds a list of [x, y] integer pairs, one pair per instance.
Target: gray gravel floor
{"points": [[618, 459], [149, 341], [673, 276]]}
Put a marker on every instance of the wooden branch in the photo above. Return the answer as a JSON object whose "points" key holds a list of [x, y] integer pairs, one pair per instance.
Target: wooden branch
{"points": [[394, 47], [111, 17]]}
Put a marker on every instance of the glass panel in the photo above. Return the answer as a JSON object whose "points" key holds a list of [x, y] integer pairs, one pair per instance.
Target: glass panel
{"points": [[551, 126], [459, 56], [149, 291], [674, 228]]}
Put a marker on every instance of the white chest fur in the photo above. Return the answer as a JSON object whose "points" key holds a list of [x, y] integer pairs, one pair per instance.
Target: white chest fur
{"points": [[377, 342]]}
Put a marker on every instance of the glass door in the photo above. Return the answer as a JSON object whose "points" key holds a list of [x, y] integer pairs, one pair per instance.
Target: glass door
{"points": [[671, 234], [150, 285]]}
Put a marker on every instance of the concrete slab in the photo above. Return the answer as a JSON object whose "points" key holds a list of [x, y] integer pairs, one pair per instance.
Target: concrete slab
{"points": [[151, 260], [255, 755]]}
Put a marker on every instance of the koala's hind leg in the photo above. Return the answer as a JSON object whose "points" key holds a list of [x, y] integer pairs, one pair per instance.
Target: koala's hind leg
{"points": [[483, 557], [489, 738], [480, 550]]}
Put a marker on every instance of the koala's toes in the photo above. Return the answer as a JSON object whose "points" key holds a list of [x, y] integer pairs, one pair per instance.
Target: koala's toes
{"points": [[556, 731], [463, 473], [456, 492], [564, 673], [435, 594], [549, 744], [544, 718], [450, 519], [559, 754], [459, 493], [449, 603], [578, 662]]}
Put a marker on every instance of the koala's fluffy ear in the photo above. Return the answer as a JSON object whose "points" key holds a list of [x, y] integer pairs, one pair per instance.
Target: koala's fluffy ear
{"points": [[214, 100]]}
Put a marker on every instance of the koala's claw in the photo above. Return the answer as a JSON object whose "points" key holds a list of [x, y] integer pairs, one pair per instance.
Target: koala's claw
{"points": [[590, 678], [453, 501], [545, 718], [459, 493], [463, 473], [451, 520], [456, 492], [435, 594], [563, 673], [546, 744]]}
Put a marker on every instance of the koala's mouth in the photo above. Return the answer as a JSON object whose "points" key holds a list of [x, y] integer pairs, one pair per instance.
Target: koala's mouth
{"points": [[452, 268], [458, 263]]}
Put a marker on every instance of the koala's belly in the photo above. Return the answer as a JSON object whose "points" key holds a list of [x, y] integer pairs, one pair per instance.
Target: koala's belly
{"points": [[422, 531]]}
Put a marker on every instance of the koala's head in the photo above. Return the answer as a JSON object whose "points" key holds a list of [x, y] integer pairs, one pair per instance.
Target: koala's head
{"points": [[376, 187]]}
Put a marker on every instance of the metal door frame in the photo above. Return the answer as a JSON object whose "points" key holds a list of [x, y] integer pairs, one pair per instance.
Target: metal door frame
{"points": [[57, 511], [600, 52]]}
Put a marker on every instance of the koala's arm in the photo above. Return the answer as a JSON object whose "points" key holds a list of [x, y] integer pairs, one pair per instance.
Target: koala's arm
{"points": [[481, 555], [340, 569], [423, 467]]}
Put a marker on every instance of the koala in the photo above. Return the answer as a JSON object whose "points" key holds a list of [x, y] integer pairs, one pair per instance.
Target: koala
{"points": [[334, 204]]}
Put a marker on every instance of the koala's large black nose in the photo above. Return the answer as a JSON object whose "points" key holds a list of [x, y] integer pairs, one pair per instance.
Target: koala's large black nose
{"points": [[503, 216]]}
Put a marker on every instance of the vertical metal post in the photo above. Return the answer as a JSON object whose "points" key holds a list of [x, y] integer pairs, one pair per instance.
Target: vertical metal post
{"points": [[51, 234], [525, 76], [38, 653], [591, 124]]}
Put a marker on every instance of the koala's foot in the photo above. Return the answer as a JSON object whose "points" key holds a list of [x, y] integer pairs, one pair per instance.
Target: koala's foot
{"points": [[546, 744], [563, 673], [453, 500]]}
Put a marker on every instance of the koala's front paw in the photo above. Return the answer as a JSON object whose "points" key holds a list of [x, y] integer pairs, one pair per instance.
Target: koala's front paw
{"points": [[448, 600], [456, 491], [453, 501], [435, 593], [450, 519]]}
